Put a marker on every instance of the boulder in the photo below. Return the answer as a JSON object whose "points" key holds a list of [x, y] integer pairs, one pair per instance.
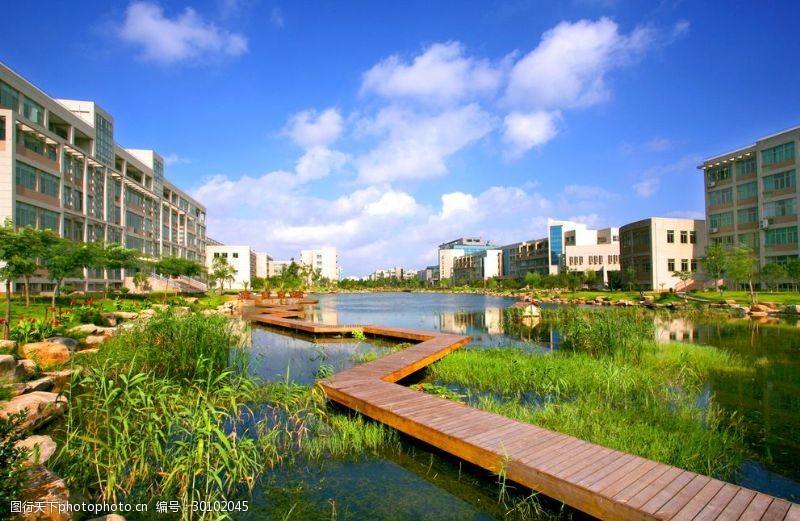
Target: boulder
{"points": [[730, 302], [738, 311], [41, 407], [160, 307], [759, 308], [9, 370], [181, 311], [92, 340], [40, 448], [61, 378], [48, 490], [27, 367], [758, 314], [46, 354], [45, 383], [8, 345], [89, 351], [126, 315], [84, 328], [190, 300], [147, 313], [71, 343]]}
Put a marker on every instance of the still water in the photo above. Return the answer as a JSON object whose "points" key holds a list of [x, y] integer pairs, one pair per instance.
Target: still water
{"points": [[769, 401]]}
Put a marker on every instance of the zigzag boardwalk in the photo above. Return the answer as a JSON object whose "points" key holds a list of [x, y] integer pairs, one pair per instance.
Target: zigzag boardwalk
{"points": [[605, 483]]}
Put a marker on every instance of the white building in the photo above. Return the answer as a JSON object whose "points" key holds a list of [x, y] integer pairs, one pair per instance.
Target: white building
{"points": [[242, 258], [323, 260], [263, 261], [481, 265]]}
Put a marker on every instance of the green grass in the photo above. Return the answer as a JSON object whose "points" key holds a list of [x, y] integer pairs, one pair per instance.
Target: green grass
{"points": [[743, 297], [639, 399]]}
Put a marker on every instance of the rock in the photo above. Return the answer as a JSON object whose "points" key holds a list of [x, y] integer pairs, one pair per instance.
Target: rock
{"points": [[92, 340], [41, 407], [126, 315], [792, 309], [45, 383], [61, 378], [28, 367], [181, 311], [738, 311], [759, 308], [40, 448], [730, 302], [71, 343], [758, 314], [46, 354], [160, 307], [9, 345], [648, 299], [46, 489], [190, 300], [90, 351], [84, 328], [147, 313], [9, 370]]}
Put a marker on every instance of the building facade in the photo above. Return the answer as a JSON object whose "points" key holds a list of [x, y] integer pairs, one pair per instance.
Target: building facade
{"points": [[478, 266], [752, 199], [263, 260], [457, 248], [323, 260], [241, 258], [658, 247], [61, 169]]}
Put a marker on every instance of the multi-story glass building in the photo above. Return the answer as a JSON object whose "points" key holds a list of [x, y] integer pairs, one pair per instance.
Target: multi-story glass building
{"points": [[751, 197], [61, 169]]}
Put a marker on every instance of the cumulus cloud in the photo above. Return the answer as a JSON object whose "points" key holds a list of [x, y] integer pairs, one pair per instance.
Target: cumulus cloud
{"points": [[646, 188], [523, 131], [185, 37], [319, 162], [176, 159], [441, 74], [568, 67], [416, 146], [309, 128]]}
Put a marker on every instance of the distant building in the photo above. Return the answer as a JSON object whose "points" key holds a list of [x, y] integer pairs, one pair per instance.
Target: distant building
{"points": [[657, 247], [396, 273], [323, 260], [456, 248], [263, 261], [481, 265], [274, 268], [429, 275], [752, 198], [242, 258]]}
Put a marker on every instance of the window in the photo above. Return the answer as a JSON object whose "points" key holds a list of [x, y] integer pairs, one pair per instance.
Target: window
{"points": [[134, 242], [670, 236], [134, 198], [235, 255], [747, 215], [684, 264], [693, 267], [50, 220], [134, 221], [778, 154], [670, 265], [719, 197], [750, 240], [2, 129], [720, 220], [780, 259], [693, 237], [48, 184], [684, 237], [747, 190], [779, 181], [25, 215], [33, 111], [718, 173], [26, 176], [776, 236], [104, 144], [9, 97], [746, 166], [782, 208]]}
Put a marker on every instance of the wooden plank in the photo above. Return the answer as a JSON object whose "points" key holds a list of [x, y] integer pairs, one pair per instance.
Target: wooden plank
{"points": [[757, 508], [686, 494], [777, 510], [645, 481], [738, 504], [794, 513], [718, 503], [653, 504], [630, 478]]}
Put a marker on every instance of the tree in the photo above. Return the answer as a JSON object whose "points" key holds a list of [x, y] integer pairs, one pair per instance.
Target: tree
{"points": [[221, 272], [16, 259], [117, 257], [174, 267], [772, 273], [630, 277], [533, 279], [684, 276], [590, 277], [741, 265], [258, 283], [66, 258], [140, 280], [714, 263], [32, 241], [793, 271]]}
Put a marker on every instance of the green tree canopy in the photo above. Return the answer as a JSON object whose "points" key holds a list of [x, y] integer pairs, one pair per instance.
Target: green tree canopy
{"points": [[715, 262]]}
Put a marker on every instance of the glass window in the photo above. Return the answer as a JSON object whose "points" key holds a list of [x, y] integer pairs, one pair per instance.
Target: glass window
{"points": [[134, 242], [684, 264], [778, 154], [104, 142], [670, 236], [747, 190], [134, 221], [693, 267], [48, 184], [720, 197], [684, 237], [33, 111], [776, 236], [9, 96], [779, 181], [235, 255], [718, 173], [25, 215], [670, 265], [693, 237], [781, 208], [134, 197], [747, 215], [750, 240], [720, 220], [746, 166], [2, 129], [50, 220], [26, 176]]}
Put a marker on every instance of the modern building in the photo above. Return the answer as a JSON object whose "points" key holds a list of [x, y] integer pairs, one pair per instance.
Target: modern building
{"points": [[752, 198], [274, 268], [241, 258], [323, 260], [61, 169], [429, 275], [457, 248], [396, 273], [263, 260], [657, 247], [478, 266]]}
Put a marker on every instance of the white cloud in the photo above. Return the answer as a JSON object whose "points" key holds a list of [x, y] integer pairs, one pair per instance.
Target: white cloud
{"points": [[186, 37], [591, 220], [441, 74], [650, 179], [309, 129], [276, 17], [416, 146], [524, 131], [647, 187], [568, 67], [319, 162], [175, 159]]}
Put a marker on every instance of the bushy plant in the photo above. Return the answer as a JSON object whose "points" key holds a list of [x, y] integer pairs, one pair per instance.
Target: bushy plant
{"points": [[35, 330], [12, 476]]}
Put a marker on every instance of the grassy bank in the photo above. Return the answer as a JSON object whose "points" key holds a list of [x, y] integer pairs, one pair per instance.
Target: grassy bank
{"points": [[611, 384]]}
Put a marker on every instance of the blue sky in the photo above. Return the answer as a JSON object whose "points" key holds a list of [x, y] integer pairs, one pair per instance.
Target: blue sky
{"points": [[386, 128]]}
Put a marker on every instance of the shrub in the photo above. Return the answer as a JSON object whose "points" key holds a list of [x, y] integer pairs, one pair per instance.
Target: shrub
{"points": [[12, 477]]}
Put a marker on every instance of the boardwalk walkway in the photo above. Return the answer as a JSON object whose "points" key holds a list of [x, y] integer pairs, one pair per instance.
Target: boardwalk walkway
{"points": [[605, 483]]}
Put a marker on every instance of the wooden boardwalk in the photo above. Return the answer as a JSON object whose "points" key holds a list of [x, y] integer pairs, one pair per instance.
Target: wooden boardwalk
{"points": [[603, 482]]}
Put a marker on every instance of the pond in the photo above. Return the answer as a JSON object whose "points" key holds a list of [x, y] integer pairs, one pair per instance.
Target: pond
{"points": [[769, 401]]}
